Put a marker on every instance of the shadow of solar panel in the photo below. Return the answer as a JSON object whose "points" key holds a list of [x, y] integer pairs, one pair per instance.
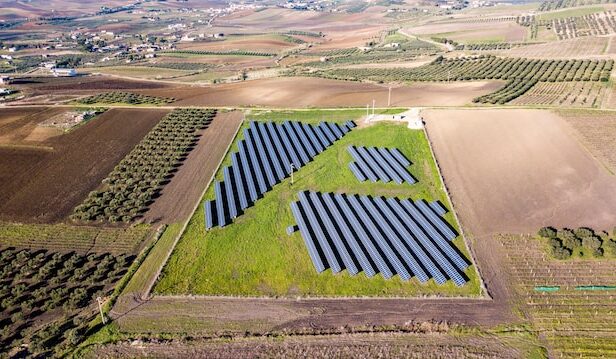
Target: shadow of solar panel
{"points": [[376, 235], [267, 155]]}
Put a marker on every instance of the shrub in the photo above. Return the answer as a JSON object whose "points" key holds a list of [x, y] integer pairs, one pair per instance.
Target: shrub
{"points": [[592, 242], [561, 253], [547, 232], [572, 242], [584, 232]]}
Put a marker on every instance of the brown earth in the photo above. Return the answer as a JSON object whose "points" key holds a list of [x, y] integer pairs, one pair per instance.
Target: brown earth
{"points": [[519, 170], [45, 85], [293, 92], [469, 31], [258, 43], [44, 183], [361, 345], [18, 126], [177, 200]]}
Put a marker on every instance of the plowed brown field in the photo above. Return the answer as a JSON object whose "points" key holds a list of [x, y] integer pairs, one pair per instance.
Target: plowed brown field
{"points": [[43, 183], [519, 170]]}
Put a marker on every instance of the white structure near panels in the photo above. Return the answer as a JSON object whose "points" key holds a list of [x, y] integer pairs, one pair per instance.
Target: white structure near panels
{"points": [[267, 155], [378, 235], [380, 164]]}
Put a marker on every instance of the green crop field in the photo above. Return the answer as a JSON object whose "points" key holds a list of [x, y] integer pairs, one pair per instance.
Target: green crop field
{"points": [[255, 257]]}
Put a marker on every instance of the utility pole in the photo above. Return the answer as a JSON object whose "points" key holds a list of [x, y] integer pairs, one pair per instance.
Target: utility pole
{"points": [[373, 102], [367, 110], [389, 97], [291, 165], [100, 308]]}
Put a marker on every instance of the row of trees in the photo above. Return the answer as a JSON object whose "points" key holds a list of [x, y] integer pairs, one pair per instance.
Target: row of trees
{"points": [[232, 52], [126, 97], [44, 296], [134, 183], [565, 243]]}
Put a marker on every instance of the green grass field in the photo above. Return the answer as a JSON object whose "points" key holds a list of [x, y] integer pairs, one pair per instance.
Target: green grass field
{"points": [[570, 13], [255, 257]]}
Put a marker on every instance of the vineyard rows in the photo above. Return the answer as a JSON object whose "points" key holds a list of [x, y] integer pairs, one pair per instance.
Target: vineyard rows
{"points": [[125, 97], [521, 73], [578, 94], [47, 298], [140, 176], [80, 239], [575, 322], [233, 52], [549, 5], [588, 25]]}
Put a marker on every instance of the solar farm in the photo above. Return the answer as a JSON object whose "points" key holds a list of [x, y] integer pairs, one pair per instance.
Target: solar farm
{"points": [[327, 231]]}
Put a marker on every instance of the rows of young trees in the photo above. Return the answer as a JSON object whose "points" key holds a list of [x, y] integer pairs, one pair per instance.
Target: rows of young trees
{"points": [[232, 52], [487, 67], [47, 298], [485, 47], [125, 97], [565, 243], [134, 183], [549, 5], [512, 90], [520, 72]]}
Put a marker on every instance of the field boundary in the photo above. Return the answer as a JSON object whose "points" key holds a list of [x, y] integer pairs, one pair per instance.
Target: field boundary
{"points": [[148, 291], [455, 215]]}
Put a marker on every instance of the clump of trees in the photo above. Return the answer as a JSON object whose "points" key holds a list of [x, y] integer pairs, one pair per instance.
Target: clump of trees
{"points": [[565, 243], [47, 298], [134, 183], [126, 97]]}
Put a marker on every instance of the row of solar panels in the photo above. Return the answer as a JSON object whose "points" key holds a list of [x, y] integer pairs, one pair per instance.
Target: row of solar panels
{"points": [[382, 164], [378, 235], [267, 154]]}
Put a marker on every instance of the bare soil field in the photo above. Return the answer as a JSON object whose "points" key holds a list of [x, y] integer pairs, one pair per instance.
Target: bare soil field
{"points": [[43, 183], [363, 345], [597, 131], [519, 170], [264, 43], [178, 198], [45, 85], [473, 31], [583, 48], [306, 92], [19, 126]]}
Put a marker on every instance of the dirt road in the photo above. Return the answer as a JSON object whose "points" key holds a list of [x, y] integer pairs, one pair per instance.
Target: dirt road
{"points": [[177, 199]]}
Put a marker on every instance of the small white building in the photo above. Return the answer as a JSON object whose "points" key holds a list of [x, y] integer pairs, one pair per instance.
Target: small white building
{"points": [[63, 72], [5, 80]]}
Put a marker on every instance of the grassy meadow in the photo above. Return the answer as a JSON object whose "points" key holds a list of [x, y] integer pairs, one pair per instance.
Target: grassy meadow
{"points": [[254, 256]]}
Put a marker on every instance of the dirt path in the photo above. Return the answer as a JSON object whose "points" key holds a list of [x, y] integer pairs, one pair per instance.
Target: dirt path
{"points": [[177, 200]]}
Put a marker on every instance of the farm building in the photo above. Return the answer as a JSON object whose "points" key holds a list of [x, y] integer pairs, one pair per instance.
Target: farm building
{"points": [[64, 72]]}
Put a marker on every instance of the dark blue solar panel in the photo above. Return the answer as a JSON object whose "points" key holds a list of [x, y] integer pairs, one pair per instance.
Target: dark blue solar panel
{"points": [[256, 166], [239, 184], [228, 181], [312, 136], [295, 142], [327, 132], [402, 172], [209, 214], [383, 244], [384, 165], [220, 207], [400, 157], [365, 239], [247, 172], [434, 234], [333, 234], [372, 164], [435, 253], [363, 166], [438, 208], [357, 172], [436, 221], [271, 152], [335, 129], [304, 139], [291, 151], [348, 235], [317, 261], [285, 161], [321, 136], [319, 233], [265, 162]]}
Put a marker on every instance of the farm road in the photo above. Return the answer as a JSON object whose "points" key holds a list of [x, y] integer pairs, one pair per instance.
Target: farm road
{"points": [[178, 198]]}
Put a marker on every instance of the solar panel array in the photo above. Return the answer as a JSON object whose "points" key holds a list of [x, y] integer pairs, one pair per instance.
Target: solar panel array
{"points": [[382, 164], [267, 155], [378, 235]]}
